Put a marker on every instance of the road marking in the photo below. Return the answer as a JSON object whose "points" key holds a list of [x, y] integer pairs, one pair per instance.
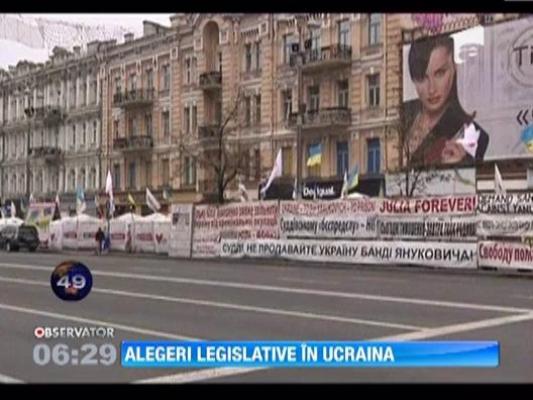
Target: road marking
{"points": [[126, 328], [292, 290], [8, 379], [202, 375], [206, 374], [231, 306]]}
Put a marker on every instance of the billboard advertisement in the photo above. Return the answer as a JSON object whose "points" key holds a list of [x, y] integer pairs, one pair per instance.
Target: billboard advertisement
{"points": [[467, 95]]}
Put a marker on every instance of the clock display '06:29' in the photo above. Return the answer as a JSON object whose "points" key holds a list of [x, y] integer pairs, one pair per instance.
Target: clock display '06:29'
{"points": [[62, 354]]}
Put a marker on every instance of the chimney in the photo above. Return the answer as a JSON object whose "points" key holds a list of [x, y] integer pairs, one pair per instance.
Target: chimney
{"points": [[128, 37]]}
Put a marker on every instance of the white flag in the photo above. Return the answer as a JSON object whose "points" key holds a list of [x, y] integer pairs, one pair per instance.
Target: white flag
{"points": [[344, 189], [151, 201], [109, 185], [498, 181], [276, 172], [295, 190], [243, 192], [13, 210], [32, 199]]}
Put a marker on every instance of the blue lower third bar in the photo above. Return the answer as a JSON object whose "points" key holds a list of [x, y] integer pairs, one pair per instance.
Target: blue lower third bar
{"points": [[292, 354]]}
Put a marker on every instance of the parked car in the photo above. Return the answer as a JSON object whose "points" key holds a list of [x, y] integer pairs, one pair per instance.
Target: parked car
{"points": [[13, 238]]}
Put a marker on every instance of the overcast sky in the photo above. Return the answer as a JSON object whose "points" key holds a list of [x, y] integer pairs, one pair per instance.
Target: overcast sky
{"points": [[12, 52]]}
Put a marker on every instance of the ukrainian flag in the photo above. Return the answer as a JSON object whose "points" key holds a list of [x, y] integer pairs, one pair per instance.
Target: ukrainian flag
{"points": [[315, 155], [350, 181]]}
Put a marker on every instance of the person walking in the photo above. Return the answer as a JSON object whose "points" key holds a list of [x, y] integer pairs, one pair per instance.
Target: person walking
{"points": [[99, 240]]}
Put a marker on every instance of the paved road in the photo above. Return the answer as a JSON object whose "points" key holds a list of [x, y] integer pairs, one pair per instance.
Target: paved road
{"points": [[160, 298]]}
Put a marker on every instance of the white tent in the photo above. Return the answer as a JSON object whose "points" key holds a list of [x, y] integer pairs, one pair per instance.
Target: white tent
{"points": [[87, 228], [56, 235], [69, 233], [122, 230], [161, 231], [11, 221]]}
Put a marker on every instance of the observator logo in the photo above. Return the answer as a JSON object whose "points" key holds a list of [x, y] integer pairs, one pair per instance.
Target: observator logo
{"points": [[74, 332]]}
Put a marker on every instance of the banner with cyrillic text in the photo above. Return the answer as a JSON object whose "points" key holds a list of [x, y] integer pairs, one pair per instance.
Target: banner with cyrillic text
{"points": [[514, 203], [342, 219], [439, 228], [435, 254], [505, 255], [244, 221], [180, 230], [505, 225]]}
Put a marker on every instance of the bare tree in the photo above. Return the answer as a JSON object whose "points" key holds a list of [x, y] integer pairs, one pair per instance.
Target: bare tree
{"points": [[412, 175], [217, 149]]}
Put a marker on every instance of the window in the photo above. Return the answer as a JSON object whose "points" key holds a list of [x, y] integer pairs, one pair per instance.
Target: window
{"points": [[194, 118], [374, 27], [315, 39], [133, 82], [116, 176], [166, 123], [286, 161], [343, 93], [344, 33], [286, 98], [115, 128], [258, 109], [148, 173], [248, 110], [219, 62], [72, 180], [95, 128], [148, 124], [373, 90], [190, 171], [73, 136], [186, 120], [257, 166], [288, 41], [92, 179], [131, 123], [313, 171], [194, 77], [258, 55], [188, 71], [314, 98], [165, 73], [131, 177], [342, 158], [248, 57], [373, 155], [165, 172], [149, 79], [118, 85], [84, 134]]}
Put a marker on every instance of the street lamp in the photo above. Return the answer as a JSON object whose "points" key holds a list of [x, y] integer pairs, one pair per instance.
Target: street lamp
{"points": [[299, 19]]}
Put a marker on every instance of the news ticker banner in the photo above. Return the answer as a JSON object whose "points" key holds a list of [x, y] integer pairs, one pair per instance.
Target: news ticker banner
{"points": [[298, 354], [437, 254]]}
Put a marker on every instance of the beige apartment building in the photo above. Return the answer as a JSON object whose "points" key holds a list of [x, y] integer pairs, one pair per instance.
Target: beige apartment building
{"points": [[137, 108]]}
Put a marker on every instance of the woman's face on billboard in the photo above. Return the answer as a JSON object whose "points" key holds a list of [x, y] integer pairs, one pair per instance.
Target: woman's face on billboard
{"points": [[434, 88]]}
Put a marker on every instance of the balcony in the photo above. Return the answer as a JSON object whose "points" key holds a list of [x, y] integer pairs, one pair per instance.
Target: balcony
{"points": [[136, 97], [133, 143], [324, 58], [325, 117], [211, 80], [208, 131], [48, 154], [49, 115]]}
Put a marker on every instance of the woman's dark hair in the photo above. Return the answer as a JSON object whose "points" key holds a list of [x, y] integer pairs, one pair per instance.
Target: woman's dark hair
{"points": [[420, 53]]}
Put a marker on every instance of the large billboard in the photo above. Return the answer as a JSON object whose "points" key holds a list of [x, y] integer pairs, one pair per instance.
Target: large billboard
{"points": [[467, 95]]}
